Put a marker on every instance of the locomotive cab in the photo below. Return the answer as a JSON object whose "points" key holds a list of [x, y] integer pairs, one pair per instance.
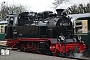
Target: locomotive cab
{"points": [[12, 20], [10, 31]]}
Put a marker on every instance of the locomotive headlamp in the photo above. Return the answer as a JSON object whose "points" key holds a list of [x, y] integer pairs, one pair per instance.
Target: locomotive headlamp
{"points": [[62, 38], [11, 18]]}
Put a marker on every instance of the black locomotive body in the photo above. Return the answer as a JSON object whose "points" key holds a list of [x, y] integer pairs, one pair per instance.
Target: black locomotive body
{"points": [[52, 27], [59, 25], [52, 34]]}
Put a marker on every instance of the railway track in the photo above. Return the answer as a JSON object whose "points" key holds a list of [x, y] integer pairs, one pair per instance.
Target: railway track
{"points": [[70, 58], [17, 55], [82, 58]]}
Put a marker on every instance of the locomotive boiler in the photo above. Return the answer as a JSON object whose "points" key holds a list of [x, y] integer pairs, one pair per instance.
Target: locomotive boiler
{"points": [[51, 35]]}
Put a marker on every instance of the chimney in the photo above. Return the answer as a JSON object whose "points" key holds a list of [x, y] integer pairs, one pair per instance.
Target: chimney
{"points": [[59, 11]]}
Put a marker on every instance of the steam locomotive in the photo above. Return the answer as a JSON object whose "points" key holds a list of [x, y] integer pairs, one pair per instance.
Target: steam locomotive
{"points": [[45, 32]]}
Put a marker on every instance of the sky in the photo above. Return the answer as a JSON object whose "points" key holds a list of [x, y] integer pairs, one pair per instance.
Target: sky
{"points": [[39, 5]]}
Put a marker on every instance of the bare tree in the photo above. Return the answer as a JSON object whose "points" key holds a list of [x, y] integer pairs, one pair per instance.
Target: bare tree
{"points": [[73, 9], [58, 2], [76, 9], [3, 11], [16, 9], [13, 9]]}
